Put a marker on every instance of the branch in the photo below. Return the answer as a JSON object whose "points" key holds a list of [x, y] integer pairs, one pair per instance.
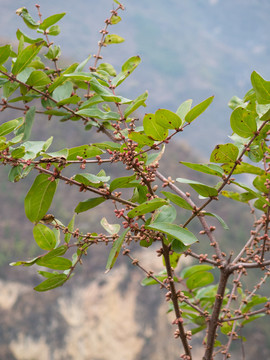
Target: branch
{"points": [[174, 297], [213, 322]]}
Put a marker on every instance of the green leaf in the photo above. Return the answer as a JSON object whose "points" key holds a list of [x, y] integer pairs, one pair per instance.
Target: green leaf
{"points": [[51, 283], [88, 204], [63, 91], [224, 153], [44, 237], [54, 30], [26, 128], [61, 250], [203, 190], [15, 173], [251, 318], [261, 88], [259, 183], [165, 213], [257, 195], [152, 129], [113, 39], [27, 18], [140, 138], [184, 108], [198, 329], [121, 182], [243, 168], [9, 88], [26, 38], [25, 263], [56, 263], [224, 225], [167, 119], [54, 53], [198, 109], [243, 122], [235, 102], [26, 56], [34, 148], [107, 145], [128, 67], [147, 207], [18, 152], [106, 94], [84, 151], [242, 197], [70, 229], [177, 200], [139, 101], [191, 270], [226, 328], [178, 247], [255, 300], [47, 274], [96, 99], [146, 243], [98, 114], [115, 250], [177, 232], [9, 126], [110, 228], [115, 19], [51, 20], [199, 280], [39, 80], [149, 281], [91, 179], [4, 53], [78, 75], [108, 68], [39, 198], [174, 259], [210, 169], [70, 100]]}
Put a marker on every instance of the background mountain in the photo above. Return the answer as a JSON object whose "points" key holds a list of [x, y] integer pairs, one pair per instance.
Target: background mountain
{"points": [[189, 49]]}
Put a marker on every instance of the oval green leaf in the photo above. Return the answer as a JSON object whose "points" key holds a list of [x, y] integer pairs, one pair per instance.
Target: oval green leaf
{"points": [[147, 207], [177, 200], [55, 263], [44, 237], [198, 109], [167, 119], [51, 283], [261, 88], [177, 232], [115, 250], [39, 198], [113, 39], [200, 279], [26, 56], [201, 189], [88, 204], [224, 153], [152, 129], [243, 122]]}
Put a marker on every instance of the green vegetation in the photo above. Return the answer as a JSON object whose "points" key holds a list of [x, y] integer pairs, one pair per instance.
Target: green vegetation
{"points": [[121, 172]]}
